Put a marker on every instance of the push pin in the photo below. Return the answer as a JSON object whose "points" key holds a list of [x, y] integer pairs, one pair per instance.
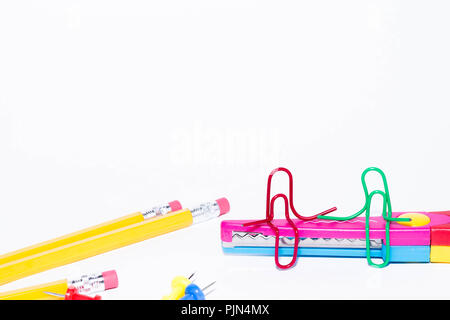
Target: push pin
{"points": [[179, 285], [72, 294], [193, 292]]}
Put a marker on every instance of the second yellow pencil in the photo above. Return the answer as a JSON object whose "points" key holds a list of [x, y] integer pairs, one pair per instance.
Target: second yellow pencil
{"points": [[89, 232]]}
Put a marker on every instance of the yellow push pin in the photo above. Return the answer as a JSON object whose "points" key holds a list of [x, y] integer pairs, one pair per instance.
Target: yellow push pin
{"points": [[179, 284]]}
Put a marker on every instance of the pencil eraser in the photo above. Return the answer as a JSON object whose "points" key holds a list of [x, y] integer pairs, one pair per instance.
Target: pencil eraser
{"points": [[224, 205], [175, 205], [110, 279]]}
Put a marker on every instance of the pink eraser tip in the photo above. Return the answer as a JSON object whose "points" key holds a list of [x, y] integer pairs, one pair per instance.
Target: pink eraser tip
{"points": [[110, 279], [175, 205], [224, 205]]}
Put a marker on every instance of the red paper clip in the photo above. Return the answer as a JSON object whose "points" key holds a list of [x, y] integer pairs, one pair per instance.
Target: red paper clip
{"points": [[288, 203]]}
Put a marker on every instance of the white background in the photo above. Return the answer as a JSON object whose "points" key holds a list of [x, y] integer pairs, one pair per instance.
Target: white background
{"points": [[111, 107]]}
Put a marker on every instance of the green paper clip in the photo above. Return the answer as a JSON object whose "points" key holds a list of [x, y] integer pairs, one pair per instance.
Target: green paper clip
{"points": [[387, 215]]}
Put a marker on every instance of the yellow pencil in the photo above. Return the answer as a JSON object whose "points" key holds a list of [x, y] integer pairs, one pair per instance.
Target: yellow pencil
{"points": [[111, 240], [89, 232], [85, 284]]}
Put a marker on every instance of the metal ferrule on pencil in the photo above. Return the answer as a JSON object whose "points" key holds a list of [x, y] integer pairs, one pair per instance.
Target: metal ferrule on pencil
{"points": [[157, 211], [87, 284], [209, 210], [205, 212]]}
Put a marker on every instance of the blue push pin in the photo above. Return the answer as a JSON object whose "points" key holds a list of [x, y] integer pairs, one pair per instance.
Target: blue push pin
{"points": [[193, 292]]}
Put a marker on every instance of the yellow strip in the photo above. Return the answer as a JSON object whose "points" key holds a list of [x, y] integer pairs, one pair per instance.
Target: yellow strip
{"points": [[95, 245], [37, 292], [72, 237], [440, 254]]}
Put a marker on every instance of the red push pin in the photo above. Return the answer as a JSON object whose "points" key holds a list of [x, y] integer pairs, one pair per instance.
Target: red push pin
{"points": [[72, 294]]}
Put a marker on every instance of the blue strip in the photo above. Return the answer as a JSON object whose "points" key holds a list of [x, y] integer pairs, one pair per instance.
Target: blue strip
{"points": [[398, 253]]}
